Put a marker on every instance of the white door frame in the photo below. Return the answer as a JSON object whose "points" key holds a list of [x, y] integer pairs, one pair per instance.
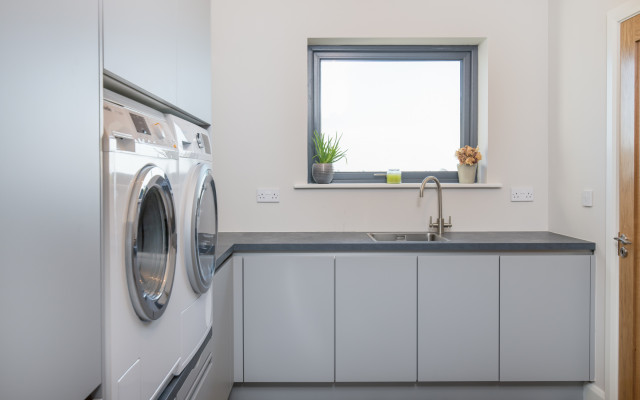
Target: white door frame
{"points": [[614, 18]]}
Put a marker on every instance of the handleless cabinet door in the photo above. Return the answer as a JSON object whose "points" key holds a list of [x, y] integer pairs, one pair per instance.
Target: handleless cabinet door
{"points": [[375, 318], [545, 309], [193, 20], [219, 384], [140, 40], [288, 318], [164, 48], [458, 321], [50, 275]]}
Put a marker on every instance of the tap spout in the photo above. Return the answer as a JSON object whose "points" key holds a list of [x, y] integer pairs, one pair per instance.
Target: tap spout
{"points": [[439, 189]]}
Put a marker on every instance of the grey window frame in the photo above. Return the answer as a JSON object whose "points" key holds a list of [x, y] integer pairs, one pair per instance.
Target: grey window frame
{"points": [[466, 54]]}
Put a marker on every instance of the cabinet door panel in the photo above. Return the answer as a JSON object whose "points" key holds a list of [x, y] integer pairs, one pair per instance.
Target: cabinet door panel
{"points": [[220, 378], [288, 318], [458, 318], [545, 317], [375, 318], [50, 275], [194, 58], [140, 44]]}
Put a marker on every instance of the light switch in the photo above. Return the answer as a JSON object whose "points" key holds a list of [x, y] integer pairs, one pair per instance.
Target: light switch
{"points": [[587, 198]]}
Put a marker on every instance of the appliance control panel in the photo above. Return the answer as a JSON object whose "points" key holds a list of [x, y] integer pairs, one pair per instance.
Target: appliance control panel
{"points": [[193, 140], [125, 123]]}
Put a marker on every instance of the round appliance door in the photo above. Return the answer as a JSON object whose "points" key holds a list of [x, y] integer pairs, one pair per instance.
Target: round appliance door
{"points": [[201, 230], [151, 243]]}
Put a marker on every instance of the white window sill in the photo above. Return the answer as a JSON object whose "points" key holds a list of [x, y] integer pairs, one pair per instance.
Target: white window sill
{"points": [[395, 186]]}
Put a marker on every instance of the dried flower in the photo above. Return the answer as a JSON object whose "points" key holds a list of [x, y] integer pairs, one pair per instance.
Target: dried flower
{"points": [[468, 155]]}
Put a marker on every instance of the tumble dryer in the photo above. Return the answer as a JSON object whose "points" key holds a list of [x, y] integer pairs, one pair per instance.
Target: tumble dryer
{"points": [[141, 323], [197, 232]]}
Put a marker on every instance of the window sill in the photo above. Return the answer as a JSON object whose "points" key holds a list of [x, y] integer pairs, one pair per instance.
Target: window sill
{"points": [[412, 186]]}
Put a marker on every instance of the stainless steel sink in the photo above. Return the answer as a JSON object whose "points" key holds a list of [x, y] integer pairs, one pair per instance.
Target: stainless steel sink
{"points": [[407, 237]]}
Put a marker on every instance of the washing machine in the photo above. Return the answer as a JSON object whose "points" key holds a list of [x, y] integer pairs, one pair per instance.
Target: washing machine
{"points": [[141, 342], [197, 232]]}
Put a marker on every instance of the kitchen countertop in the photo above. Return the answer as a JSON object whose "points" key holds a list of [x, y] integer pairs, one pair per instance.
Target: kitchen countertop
{"points": [[262, 242]]}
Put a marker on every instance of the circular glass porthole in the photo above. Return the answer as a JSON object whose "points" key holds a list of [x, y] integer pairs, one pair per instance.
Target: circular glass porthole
{"points": [[203, 228], [151, 243]]}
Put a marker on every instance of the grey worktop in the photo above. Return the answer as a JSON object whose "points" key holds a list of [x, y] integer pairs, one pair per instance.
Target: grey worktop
{"points": [[262, 242]]}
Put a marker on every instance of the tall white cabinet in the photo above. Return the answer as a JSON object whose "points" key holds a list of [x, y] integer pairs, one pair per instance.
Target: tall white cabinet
{"points": [[50, 280], [50, 205]]}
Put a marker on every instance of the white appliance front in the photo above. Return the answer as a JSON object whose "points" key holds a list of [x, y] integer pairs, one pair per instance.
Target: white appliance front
{"points": [[141, 323], [197, 232]]}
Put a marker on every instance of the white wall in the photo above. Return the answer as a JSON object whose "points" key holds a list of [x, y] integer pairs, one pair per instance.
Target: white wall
{"points": [[577, 132], [260, 112], [544, 108]]}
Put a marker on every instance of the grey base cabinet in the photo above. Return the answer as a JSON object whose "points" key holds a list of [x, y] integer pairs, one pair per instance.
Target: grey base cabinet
{"points": [[220, 380], [375, 318], [439, 317], [288, 318], [545, 311], [458, 318]]}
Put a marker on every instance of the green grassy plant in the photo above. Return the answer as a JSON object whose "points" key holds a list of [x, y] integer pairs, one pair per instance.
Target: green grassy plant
{"points": [[327, 148]]}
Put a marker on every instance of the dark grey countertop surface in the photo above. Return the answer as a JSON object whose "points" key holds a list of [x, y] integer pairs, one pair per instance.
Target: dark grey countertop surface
{"points": [[262, 242]]}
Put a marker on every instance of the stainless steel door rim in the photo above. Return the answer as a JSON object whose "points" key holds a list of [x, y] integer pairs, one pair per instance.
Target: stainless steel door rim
{"points": [[202, 230], [150, 243]]}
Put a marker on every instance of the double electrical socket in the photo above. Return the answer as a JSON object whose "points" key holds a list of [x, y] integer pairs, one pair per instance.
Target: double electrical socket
{"points": [[268, 195], [522, 193]]}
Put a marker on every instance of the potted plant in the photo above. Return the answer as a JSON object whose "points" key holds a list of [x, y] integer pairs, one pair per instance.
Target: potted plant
{"points": [[327, 152], [468, 158]]}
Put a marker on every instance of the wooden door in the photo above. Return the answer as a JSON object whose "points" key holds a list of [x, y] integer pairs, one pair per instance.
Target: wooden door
{"points": [[629, 361]]}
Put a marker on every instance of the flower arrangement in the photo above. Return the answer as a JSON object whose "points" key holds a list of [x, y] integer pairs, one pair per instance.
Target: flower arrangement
{"points": [[468, 155]]}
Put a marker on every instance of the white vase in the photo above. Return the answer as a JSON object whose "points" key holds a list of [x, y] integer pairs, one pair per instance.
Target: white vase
{"points": [[467, 173]]}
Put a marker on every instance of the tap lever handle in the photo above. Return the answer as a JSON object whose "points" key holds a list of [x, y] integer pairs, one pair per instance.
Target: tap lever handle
{"points": [[447, 224]]}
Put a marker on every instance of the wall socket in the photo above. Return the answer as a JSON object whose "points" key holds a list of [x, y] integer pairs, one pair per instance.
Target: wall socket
{"points": [[268, 195], [522, 193]]}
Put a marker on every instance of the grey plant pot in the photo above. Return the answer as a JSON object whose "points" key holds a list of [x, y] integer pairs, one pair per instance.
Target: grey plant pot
{"points": [[322, 173]]}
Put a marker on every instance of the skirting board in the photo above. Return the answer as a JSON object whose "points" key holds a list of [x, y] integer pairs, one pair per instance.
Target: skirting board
{"points": [[593, 392], [489, 391]]}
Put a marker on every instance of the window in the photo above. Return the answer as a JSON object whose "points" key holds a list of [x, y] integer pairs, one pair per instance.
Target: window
{"points": [[406, 107]]}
